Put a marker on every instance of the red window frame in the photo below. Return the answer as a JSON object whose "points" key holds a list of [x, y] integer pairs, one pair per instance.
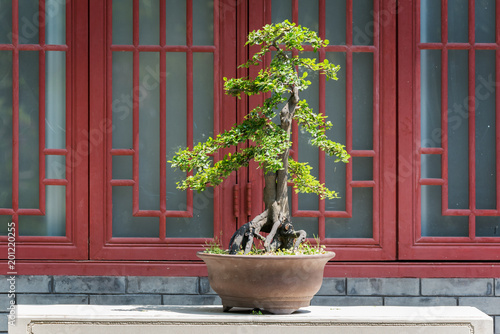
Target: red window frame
{"points": [[412, 245], [74, 244]]}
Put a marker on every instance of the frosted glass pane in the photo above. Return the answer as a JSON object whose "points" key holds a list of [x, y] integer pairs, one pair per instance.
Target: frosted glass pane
{"points": [[430, 21], [487, 226], [5, 224], [203, 22], [362, 22], [176, 22], [55, 22], [5, 129], [149, 22], [200, 225], [123, 21], [28, 130], [458, 132], [335, 24], [28, 22], [362, 168], [55, 167], [361, 223], [55, 99], [122, 167], [203, 92], [458, 28], [430, 98], [122, 104], [309, 14], [5, 21], [485, 132], [362, 101], [308, 224], [149, 133], [281, 10], [430, 166], [433, 223], [54, 221], [485, 21], [124, 224], [176, 124]]}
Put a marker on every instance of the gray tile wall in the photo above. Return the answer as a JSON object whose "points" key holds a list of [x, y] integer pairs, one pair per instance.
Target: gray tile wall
{"points": [[483, 293]]}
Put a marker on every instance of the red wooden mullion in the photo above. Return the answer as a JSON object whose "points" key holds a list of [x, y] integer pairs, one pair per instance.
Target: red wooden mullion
{"points": [[416, 226], [472, 123], [15, 114], [163, 117], [217, 102], [107, 229], [135, 108], [497, 106], [322, 110], [444, 107], [189, 90], [376, 125], [41, 107]]}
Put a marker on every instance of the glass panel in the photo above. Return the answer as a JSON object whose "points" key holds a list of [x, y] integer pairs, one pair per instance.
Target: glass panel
{"points": [[203, 22], [123, 21], [5, 129], [5, 21], [308, 224], [430, 98], [485, 131], [335, 24], [433, 223], [149, 133], [28, 130], [430, 21], [55, 166], [55, 99], [122, 167], [430, 166], [362, 101], [361, 223], [485, 21], [124, 224], [176, 131], [55, 22], [458, 132], [149, 22], [201, 225], [28, 22], [335, 109], [54, 221], [362, 168], [307, 152], [487, 226], [176, 22], [6, 225], [123, 99], [362, 22], [458, 18], [309, 14], [203, 91], [281, 10]]}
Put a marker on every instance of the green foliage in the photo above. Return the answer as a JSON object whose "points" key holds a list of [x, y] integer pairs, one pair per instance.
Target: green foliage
{"points": [[268, 141]]}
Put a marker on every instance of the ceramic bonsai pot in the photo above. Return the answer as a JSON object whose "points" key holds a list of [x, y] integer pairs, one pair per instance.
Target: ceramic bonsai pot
{"points": [[275, 283]]}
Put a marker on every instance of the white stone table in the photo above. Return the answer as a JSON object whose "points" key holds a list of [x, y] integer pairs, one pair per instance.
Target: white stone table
{"points": [[94, 319]]}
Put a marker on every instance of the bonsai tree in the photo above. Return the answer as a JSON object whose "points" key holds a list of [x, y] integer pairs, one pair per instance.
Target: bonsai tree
{"points": [[268, 129]]}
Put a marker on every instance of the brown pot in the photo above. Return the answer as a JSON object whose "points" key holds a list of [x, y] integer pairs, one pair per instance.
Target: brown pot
{"points": [[278, 284]]}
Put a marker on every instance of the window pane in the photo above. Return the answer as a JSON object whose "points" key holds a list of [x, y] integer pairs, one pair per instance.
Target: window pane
{"points": [[5, 129], [487, 226], [458, 18], [5, 225], [362, 101], [149, 132], [123, 21], [176, 22], [55, 22], [335, 25], [430, 166], [362, 22], [430, 98], [485, 21], [5, 21], [28, 130], [430, 21], [203, 22], [28, 22], [122, 167], [122, 99], [362, 168], [149, 22], [309, 14], [361, 223], [55, 167], [485, 132], [55, 99], [458, 132], [203, 92], [281, 11], [200, 225]]}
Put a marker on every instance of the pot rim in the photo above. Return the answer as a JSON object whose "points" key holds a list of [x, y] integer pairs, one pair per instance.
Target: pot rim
{"points": [[329, 255]]}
